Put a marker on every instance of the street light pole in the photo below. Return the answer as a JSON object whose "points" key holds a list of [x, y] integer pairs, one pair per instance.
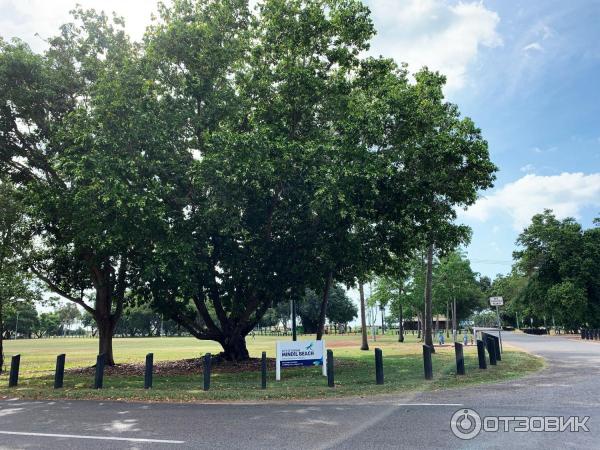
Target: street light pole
{"points": [[17, 325]]}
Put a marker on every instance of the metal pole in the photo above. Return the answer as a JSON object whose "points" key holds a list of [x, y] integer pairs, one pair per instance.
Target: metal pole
{"points": [[17, 325], [454, 320], [499, 327]]}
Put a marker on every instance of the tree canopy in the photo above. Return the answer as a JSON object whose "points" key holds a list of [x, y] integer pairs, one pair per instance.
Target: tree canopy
{"points": [[230, 161], [559, 266]]}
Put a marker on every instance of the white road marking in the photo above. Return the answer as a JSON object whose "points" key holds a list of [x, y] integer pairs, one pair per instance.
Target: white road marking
{"points": [[102, 438], [429, 404]]}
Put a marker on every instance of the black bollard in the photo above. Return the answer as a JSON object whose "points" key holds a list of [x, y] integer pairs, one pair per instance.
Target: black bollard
{"points": [[99, 378], [207, 358], [13, 377], [491, 348], [59, 373], [263, 371], [481, 354], [460, 358], [148, 372], [497, 347], [330, 374], [378, 366], [427, 365]]}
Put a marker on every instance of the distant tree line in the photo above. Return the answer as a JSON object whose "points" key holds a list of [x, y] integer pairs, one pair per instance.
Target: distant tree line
{"points": [[340, 311]]}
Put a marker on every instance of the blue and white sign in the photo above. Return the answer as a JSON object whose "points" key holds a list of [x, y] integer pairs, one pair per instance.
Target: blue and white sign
{"points": [[299, 354]]}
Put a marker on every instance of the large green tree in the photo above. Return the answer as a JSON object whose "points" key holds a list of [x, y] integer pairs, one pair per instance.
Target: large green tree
{"points": [[560, 262], [85, 131]]}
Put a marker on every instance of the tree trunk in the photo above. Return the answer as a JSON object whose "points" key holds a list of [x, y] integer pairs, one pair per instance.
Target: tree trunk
{"points": [[105, 335], [321, 324], [419, 326], [400, 326], [234, 348], [363, 318], [428, 325], [454, 320], [447, 319]]}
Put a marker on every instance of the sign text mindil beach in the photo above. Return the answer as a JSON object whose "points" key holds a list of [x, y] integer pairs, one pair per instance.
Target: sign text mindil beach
{"points": [[298, 354], [496, 301]]}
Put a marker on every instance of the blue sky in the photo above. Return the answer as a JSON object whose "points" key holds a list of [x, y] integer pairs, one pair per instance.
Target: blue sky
{"points": [[527, 72]]}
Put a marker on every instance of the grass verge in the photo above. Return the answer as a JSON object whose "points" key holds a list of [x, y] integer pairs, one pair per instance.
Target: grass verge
{"points": [[354, 371]]}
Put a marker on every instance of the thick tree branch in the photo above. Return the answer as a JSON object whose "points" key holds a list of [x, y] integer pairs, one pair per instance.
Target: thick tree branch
{"points": [[60, 291]]}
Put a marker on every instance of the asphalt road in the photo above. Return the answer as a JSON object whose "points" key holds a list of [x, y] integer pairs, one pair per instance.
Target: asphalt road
{"points": [[570, 386]]}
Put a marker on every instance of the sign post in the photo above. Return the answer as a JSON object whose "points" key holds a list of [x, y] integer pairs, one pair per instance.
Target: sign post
{"points": [[299, 354], [498, 301]]}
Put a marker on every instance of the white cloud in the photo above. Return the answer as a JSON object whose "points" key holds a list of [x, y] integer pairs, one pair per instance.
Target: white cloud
{"points": [[527, 168], [420, 32], [566, 194], [535, 46], [434, 33], [25, 18]]}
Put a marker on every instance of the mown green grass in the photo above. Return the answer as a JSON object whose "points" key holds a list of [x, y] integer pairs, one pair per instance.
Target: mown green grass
{"points": [[354, 371]]}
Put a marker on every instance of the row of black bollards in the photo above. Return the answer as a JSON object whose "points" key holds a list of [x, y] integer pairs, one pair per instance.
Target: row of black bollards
{"points": [[492, 343], [590, 334], [488, 341], [378, 367], [59, 372]]}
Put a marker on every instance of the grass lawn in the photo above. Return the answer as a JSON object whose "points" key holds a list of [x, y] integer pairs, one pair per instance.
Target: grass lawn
{"points": [[354, 370]]}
